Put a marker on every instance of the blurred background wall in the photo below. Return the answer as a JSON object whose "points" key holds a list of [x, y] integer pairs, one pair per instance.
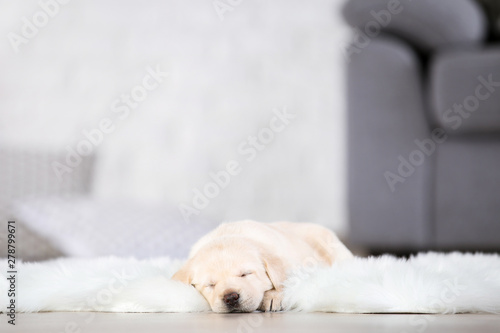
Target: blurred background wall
{"points": [[232, 66]]}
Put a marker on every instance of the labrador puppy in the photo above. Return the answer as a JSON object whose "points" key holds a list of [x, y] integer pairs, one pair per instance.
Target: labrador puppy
{"points": [[241, 266]]}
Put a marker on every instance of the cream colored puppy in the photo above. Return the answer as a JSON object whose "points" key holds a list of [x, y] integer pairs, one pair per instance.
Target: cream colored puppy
{"points": [[241, 266]]}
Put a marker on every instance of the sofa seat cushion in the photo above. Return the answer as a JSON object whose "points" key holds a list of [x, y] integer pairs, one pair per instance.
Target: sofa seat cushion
{"points": [[465, 91]]}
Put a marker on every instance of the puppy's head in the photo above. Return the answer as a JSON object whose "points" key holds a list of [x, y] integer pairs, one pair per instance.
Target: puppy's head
{"points": [[232, 274]]}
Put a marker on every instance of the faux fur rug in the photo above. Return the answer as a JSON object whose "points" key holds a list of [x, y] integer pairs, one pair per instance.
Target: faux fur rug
{"points": [[427, 283]]}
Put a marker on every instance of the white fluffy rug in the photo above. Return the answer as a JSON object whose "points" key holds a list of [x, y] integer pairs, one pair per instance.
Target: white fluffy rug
{"points": [[427, 283]]}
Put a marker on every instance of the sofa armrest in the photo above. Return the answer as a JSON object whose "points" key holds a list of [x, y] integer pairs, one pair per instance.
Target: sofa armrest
{"points": [[388, 197], [425, 24]]}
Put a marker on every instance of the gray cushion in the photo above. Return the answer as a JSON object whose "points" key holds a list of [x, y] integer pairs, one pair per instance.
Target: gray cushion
{"points": [[426, 24], [462, 100]]}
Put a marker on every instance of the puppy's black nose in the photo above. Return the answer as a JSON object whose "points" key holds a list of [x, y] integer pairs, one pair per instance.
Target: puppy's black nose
{"points": [[231, 299]]}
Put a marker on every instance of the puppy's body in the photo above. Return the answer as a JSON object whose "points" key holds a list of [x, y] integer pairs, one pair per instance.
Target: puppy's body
{"points": [[241, 266]]}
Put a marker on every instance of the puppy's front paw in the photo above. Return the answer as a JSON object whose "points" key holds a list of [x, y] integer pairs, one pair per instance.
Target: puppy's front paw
{"points": [[272, 301]]}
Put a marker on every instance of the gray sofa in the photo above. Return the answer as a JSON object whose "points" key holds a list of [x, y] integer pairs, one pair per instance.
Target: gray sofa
{"points": [[423, 94]]}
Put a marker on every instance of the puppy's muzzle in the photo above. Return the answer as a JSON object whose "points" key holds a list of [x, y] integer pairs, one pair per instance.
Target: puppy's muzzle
{"points": [[231, 299]]}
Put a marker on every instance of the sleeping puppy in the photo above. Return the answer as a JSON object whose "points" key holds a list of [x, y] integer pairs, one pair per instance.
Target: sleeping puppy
{"points": [[241, 266]]}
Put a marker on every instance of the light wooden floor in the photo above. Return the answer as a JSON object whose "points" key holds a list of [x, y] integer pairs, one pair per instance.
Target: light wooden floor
{"points": [[67, 322]]}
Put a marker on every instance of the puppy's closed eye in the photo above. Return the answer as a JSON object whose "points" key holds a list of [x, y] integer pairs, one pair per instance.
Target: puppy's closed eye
{"points": [[209, 286], [245, 274]]}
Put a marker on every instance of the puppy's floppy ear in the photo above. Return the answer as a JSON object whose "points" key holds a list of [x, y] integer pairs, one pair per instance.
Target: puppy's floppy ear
{"points": [[275, 268], [184, 274]]}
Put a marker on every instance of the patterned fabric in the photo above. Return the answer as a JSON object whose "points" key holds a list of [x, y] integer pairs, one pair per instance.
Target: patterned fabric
{"points": [[27, 174], [86, 227]]}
